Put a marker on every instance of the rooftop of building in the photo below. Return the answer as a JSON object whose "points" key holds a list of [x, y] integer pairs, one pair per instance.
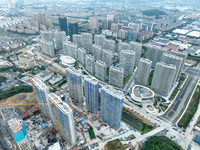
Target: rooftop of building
{"points": [[172, 56], [67, 59], [166, 65], [68, 43], [96, 46], [74, 71], [101, 62], [116, 68], [15, 124], [43, 73], [56, 99], [142, 91], [145, 60], [174, 45], [81, 49], [39, 83], [115, 93], [91, 80], [8, 112], [108, 51]]}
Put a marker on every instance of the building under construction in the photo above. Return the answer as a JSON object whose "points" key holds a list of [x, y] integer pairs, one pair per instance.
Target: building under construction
{"points": [[16, 128]]}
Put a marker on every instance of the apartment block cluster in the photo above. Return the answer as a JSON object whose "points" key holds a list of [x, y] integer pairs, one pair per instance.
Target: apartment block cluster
{"points": [[48, 44], [34, 25], [17, 128], [109, 96], [167, 67], [11, 42], [98, 57], [124, 31], [65, 113]]}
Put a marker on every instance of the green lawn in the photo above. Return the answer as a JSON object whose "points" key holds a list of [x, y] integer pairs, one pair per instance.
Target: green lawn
{"points": [[151, 77], [126, 79], [114, 145], [192, 108], [181, 80], [91, 132]]}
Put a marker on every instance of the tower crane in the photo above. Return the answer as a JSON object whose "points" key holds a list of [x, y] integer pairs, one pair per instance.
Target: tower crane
{"points": [[53, 104]]}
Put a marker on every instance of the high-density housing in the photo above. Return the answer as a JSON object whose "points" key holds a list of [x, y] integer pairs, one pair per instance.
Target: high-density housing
{"points": [[91, 93], [111, 106], [74, 80], [143, 71]]}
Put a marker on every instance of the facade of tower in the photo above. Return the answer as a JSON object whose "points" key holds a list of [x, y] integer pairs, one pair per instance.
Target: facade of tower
{"points": [[116, 76], [109, 45], [100, 70], [144, 70], [91, 93], [60, 37], [77, 39], [97, 51], [81, 55], [47, 48], [73, 29], [17, 128], [154, 53], [63, 24], [107, 57], [47, 35], [86, 41], [70, 49], [126, 61], [98, 39], [89, 63], [182, 55], [137, 48], [74, 80], [163, 77], [65, 119], [111, 106], [121, 46], [94, 23], [41, 91], [174, 60]]}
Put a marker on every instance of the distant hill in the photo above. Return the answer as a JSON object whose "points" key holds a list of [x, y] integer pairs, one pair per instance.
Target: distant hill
{"points": [[153, 12]]}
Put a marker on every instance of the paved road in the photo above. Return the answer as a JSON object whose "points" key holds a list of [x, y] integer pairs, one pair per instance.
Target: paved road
{"points": [[179, 103], [195, 72], [131, 80]]}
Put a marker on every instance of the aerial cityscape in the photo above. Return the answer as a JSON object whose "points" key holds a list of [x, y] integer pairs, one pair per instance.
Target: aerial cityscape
{"points": [[99, 75]]}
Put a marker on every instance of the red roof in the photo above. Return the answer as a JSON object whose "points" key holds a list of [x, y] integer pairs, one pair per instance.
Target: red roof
{"points": [[29, 113]]}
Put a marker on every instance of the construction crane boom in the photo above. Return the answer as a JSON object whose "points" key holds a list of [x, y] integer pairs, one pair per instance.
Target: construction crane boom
{"points": [[34, 104], [53, 104], [31, 81], [54, 108]]}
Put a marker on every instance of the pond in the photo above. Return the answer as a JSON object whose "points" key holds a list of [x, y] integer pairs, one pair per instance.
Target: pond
{"points": [[131, 119]]}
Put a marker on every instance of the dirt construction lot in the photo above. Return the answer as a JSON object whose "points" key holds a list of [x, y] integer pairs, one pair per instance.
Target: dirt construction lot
{"points": [[17, 99]]}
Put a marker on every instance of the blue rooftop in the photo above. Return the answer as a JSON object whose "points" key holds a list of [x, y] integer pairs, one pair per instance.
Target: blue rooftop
{"points": [[163, 41], [197, 139], [174, 45], [190, 51]]}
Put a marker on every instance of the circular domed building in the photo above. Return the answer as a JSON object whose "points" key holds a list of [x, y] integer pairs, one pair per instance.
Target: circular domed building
{"points": [[141, 94], [67, 60]]}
